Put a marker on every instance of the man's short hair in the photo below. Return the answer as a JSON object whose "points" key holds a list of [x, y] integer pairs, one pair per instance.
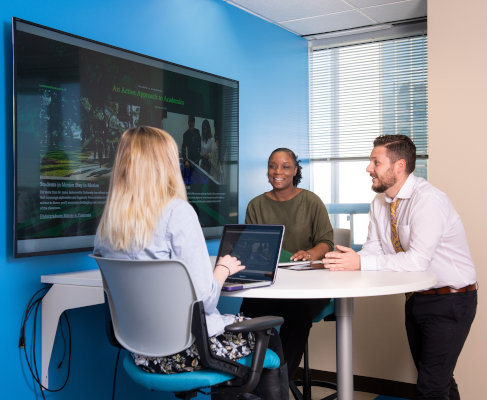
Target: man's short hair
{"points": [[399, 146]]}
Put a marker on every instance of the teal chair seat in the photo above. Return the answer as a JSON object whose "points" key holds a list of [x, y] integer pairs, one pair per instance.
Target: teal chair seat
{"points": [[327, 310], [186, 381]]}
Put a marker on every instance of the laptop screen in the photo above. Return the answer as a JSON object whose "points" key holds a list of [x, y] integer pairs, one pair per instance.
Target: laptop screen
{"points": [[257, 246]]}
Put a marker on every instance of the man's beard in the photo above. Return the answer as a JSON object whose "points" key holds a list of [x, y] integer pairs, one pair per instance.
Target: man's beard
{"points": [[388, 181], [380, 189]]}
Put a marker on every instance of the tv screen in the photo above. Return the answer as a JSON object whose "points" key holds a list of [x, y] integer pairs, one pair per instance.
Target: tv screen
{"points": [[73, 98]]}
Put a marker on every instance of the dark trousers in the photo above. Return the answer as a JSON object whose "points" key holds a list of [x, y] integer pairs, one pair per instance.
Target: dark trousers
{"points": [[437, 327], [298, 317]]}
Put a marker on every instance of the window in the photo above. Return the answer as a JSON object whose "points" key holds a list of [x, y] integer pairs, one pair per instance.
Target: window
{"points": [[357, 93]]}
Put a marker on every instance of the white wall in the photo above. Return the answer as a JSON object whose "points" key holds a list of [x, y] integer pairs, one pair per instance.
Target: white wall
{"points": [[457, 34], [457, 80]]}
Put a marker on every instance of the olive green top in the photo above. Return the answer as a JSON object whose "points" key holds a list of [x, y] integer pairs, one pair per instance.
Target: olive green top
{"points": [[304, 216]]}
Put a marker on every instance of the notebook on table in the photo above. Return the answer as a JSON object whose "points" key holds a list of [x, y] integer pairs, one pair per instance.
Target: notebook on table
{"points": [[258, 247], [303, 265]]}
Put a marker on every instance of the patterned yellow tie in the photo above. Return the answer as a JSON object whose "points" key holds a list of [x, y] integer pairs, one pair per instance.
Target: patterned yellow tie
{"points": [[394, 236]]}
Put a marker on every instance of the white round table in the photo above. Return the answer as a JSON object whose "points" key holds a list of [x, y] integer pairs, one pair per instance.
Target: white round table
{"points": [[343, 286]]}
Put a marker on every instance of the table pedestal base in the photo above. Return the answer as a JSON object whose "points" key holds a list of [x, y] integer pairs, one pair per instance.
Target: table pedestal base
{"points": [[344, 314]]}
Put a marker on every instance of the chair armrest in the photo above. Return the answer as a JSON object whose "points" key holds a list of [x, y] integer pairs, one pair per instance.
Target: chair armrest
{"points": [[207, 358], [247, 378], [255, 324]]}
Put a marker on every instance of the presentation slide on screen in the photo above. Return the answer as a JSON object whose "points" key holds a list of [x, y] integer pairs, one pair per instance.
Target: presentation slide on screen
{"points": [[69, 122]]}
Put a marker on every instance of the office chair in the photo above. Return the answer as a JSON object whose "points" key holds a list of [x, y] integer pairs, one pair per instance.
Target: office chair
{"points": [[342, 237], [155, 312]]}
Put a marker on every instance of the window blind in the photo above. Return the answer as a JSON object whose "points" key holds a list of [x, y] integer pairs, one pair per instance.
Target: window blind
{"points": [[359, 92]]}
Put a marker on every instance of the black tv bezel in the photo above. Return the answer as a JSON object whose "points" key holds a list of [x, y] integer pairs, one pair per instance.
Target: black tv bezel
{"points": [[214, 232]]}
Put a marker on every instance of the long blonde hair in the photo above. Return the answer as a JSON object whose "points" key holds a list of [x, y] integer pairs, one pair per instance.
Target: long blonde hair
{"points": [[146, 175]]}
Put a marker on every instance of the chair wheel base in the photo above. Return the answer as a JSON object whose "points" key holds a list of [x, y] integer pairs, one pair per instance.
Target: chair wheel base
{"points": [[186, 395], [233, 396]]}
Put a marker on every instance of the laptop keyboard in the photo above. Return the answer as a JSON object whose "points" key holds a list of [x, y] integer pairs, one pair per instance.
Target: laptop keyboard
{"points": [[236, 280]]}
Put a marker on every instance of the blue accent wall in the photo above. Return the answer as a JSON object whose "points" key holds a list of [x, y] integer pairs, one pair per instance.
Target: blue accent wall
{"points": [[210, 35]]}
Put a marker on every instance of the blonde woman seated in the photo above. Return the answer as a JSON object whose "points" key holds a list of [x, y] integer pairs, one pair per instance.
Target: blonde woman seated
{"points": [[147, 216]]}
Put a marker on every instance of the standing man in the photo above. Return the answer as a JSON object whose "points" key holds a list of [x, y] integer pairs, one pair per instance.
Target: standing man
{"points": [[191, 147], [414, 227]]}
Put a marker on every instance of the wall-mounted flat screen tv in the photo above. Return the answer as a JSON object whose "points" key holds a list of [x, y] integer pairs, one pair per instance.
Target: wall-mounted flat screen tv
{"points": [[73, 98]]}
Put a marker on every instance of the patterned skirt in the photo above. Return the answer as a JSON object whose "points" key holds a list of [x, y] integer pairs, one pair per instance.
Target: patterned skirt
{"points": [[228, 345]]}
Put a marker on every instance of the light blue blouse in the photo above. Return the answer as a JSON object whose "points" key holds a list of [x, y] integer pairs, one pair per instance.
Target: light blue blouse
{"points": [[178, 235]]}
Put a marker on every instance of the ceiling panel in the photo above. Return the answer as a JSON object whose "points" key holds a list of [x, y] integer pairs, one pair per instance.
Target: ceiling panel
{"points": [[397, 11], [308, 17], [278, 10], [370, 3], [327, 23]]}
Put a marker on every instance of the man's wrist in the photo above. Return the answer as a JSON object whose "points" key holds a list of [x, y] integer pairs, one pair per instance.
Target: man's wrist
{"points": [[368, 263]]}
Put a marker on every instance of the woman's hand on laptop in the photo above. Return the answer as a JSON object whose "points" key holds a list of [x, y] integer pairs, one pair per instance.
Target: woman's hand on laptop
{"points": [[226, 266]]}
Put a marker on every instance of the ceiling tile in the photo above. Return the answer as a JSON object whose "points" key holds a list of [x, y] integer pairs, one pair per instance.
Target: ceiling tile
{"points": [[397, 11], [370, 3], [328, 23], [285, 10], [308, 17]]}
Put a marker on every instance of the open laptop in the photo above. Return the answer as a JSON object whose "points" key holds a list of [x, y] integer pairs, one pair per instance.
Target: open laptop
{"points": [[258, 247]]}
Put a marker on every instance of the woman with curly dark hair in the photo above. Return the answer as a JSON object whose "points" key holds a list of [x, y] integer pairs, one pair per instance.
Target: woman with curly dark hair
{"points": [[308, 237]]}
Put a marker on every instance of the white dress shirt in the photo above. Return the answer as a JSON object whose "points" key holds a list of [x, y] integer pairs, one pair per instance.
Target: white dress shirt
{"points": [[430, 231]]}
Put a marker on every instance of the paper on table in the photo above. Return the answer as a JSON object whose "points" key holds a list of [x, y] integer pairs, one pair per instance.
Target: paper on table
{"points": [[301, 265]]}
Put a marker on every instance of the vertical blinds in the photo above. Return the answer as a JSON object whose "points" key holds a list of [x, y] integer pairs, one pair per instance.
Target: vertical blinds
{"points": [[362, 91]]}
